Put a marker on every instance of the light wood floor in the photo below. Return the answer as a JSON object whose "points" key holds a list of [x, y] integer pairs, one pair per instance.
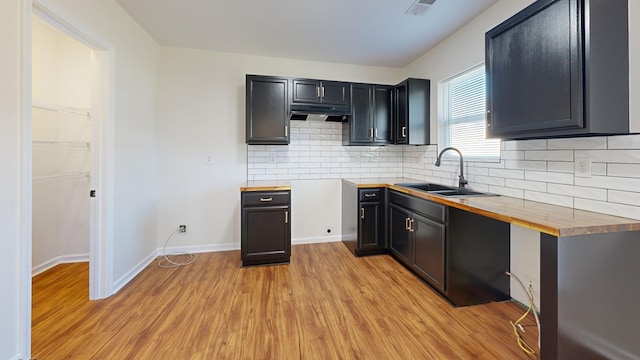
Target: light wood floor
{"points": [[326, 304]]}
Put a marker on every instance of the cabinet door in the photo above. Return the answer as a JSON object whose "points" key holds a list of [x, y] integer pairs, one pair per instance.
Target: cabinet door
{"points": [[266, 233], [335, 93], [429, 237], [305, 91], [401, 128], [535, 72], [369, 236], [360, 125], [267, 110], [382, 104], [400, 240]]}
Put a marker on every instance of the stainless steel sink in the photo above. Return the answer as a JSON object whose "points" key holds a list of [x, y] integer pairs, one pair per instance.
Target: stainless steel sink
{"points": [[442, 190]]}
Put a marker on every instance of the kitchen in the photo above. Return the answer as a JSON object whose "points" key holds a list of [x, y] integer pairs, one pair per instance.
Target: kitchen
{"points": [[166, 129]]}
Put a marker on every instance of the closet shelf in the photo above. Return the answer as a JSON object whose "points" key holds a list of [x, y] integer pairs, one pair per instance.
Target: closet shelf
{"points": [[62, 142], [40, 104], [57, 177]]}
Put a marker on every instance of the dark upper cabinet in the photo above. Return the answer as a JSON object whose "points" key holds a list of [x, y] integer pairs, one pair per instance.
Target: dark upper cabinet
{"points": [[554, 71], [267, 110], [411, 117], [309, 91], [371, 113]]}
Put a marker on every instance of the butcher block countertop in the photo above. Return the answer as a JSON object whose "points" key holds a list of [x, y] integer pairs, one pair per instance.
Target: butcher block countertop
{"points": [[550, 219], [266, 186]]}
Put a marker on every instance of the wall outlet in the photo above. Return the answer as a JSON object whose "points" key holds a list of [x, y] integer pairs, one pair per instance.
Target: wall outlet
{"points": [[583, 167], [182, 229], [533, 284]]}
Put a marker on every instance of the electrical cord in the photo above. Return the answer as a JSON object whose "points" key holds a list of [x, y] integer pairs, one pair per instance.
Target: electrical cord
{"points": [[165, 261], [516, 325]]}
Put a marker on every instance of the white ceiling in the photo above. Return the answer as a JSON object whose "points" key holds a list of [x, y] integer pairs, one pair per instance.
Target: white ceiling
{"points": [[363, 32]]}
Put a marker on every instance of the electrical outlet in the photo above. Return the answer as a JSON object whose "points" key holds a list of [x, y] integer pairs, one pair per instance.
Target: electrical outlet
{"points": [[532, 284], [182, 229], [583, 167]]}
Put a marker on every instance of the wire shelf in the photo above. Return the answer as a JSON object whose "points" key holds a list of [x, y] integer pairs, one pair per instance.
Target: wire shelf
{"points": [[59, 177], [40, 104], [63, 143]]}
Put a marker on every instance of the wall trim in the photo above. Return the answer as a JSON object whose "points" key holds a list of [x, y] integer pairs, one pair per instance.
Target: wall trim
{"points": [[129, 275], [316, 240], [17, 357], [63, 259]]}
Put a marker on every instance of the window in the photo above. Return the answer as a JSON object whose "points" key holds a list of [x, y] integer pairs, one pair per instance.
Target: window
{"points": [[461, 116]]}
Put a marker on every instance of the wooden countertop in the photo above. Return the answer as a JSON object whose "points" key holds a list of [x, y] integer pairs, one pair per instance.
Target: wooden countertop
{"points": [[550, 219], [266, 186]]}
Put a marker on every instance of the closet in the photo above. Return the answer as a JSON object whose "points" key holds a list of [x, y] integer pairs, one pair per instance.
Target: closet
{"points": [[62, 83]]}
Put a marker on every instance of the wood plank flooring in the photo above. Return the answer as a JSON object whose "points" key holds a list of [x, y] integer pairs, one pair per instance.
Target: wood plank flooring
{"points": [[326, 304]]}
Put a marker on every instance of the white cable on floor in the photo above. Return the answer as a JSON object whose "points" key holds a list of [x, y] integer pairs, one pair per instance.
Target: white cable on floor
{"points": [[165, 262], [532, 306]]}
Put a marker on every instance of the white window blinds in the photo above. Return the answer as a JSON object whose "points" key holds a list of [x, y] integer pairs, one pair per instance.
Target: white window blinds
{"points": [[462, 116]]}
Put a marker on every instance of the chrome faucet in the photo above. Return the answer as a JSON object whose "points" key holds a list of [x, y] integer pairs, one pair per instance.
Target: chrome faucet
{"points": [[462, 182]]}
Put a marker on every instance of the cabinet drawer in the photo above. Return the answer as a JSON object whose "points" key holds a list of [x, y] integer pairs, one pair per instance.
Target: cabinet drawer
{"points": [[423, 207], [266, 198], [370, 194]]}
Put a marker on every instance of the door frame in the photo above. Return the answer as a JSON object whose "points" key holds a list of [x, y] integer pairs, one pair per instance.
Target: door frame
{"points": [[102, 149]]}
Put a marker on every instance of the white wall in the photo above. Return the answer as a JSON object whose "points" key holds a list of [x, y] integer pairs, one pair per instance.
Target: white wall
{"points": [[201, 110], [11, 330], [61, 75]]}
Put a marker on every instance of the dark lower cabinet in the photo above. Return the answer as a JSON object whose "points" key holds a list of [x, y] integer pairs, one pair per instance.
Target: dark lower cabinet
{"points": [[428, 237], [266, 227], [363, 220], [463, 256], [400, 242]]}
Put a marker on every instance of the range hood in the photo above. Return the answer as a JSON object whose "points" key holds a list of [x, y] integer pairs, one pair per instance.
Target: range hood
{"points": [[316, 112]]}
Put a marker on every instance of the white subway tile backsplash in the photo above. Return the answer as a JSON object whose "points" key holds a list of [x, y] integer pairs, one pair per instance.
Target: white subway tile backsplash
{"points": [[538, 170], [623, 142], [549, 155], [613, 156], [627, 211], [561, 178], [559, 200], [526, 165], [578, 191], [578, 143]]}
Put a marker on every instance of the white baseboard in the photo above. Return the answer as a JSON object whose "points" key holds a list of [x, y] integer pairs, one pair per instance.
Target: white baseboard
{"points": [[17, 357], [315, 240], [126, 278], [200, 248], [64, 259]]}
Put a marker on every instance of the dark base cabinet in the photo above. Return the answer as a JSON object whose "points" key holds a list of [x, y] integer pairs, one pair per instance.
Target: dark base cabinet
{"points": [[463, 256], [363, 220], [266, 227]]}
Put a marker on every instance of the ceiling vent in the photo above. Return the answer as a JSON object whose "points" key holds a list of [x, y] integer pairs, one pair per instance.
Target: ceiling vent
{"points": [[419, 7]]}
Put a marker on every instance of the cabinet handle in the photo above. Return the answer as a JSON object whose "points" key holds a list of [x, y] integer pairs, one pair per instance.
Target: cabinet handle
{"points": [[318, 91], [369, 195], [411, 225], [370, 132], [375, 133], [406, 223], [286, 131], [266, 199], [361, 213], [286, 217], [322, 91], [404, 131]]}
